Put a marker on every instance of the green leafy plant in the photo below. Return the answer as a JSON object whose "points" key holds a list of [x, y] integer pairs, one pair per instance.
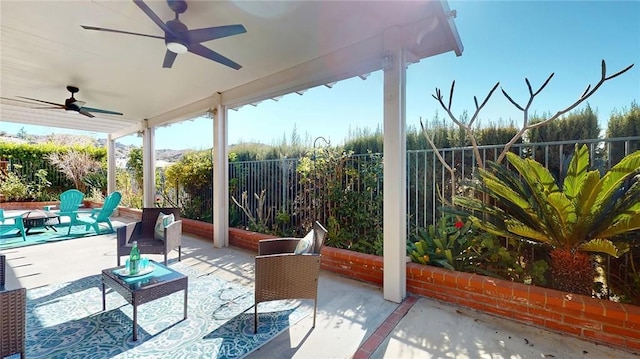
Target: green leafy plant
{"points": [[281, 226], [588, 213], [37, 189], [33, 157], [538, 272], [15, 187], [345, 193], [12, 187], [187, 185], [131, 196], [96, 181], [502, 261], [446, 244], [95, 195]]}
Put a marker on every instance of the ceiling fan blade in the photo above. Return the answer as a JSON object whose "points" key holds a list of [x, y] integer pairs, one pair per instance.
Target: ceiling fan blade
{"points": [[147, 10], [21, 101], [82, 111], [48, 108], [119, 31], [89, 109], [47, 102], [78, 103], [199, 49], [169, 58], [217, 32]]}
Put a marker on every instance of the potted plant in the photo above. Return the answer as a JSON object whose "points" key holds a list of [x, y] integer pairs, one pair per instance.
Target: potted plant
{"points": [[583, 214]]}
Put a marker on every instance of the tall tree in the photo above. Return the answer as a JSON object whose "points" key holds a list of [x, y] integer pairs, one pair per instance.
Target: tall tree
{"points": [[578, 125], [624, 124], [134, 165]]}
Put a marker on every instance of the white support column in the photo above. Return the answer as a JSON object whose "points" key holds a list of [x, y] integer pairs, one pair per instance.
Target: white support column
{"points": [[220, 178], [149, 167], [111, 164], [395, 169]]}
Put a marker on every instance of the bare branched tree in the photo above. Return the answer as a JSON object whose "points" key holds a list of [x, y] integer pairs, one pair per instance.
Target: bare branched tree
{"points": [[452, 171], [75, 165], [468, 127], [525, 111]]}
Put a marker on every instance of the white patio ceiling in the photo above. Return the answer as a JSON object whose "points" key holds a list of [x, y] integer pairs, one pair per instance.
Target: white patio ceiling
{"points": [[288, 46]]}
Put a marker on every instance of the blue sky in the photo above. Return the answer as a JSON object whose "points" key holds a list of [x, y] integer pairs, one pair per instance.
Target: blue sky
{"points": [[504, 41]]}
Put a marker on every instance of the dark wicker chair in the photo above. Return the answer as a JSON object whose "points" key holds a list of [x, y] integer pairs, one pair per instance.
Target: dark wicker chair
{"points": [[142, 232], [13, 306], [281, 274], [3, 275]]}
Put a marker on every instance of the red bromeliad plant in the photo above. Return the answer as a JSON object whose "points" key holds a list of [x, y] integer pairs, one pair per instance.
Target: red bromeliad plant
{"points": [[585, 214], [446, 244]]}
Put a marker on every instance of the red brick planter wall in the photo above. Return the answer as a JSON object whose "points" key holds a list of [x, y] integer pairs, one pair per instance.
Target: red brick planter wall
{"points": [[198, 228], [246, 239], [27, 205], [591, 319], [40, 205], [133, 213], [364, 267]]}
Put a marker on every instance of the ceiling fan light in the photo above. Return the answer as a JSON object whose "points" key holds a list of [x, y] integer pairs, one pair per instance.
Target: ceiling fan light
{"points": [[176, 47]]}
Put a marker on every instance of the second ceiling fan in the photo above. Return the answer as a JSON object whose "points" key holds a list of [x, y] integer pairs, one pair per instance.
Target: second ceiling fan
{"points": [[179, 39]]}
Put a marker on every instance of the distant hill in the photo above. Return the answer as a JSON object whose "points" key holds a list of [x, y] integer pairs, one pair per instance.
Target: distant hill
{"points": [[122, 151]]}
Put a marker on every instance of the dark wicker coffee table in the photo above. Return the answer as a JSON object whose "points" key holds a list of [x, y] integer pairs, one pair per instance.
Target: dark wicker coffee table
{"points": [[139, 290], [39, 218]]}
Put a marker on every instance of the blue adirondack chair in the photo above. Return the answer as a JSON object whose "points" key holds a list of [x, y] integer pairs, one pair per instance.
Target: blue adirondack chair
{"points": [[98, 215], [9, 224], [70, 201]]}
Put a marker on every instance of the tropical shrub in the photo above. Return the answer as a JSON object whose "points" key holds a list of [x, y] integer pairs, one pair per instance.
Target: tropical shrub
{"points": [[131, 195], [188, 185], [12, 187], [96, 182], [453, 243], [134, 165], [16, 187], [446, 244], [585, 213], [38, 187], [344, 192]]}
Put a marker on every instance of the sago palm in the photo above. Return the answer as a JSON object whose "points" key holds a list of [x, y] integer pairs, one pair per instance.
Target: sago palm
{"points": [[588, 213]]}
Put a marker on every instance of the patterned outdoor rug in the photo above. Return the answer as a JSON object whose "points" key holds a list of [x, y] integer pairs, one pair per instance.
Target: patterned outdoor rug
{"points": [[41, 235], [66, 321]]}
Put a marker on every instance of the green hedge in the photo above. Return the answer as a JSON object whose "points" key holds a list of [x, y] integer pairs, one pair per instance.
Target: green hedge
{"points": [[33, 157]]}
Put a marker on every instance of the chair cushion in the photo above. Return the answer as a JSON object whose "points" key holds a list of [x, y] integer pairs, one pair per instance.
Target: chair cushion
{"points": [[162, 221], [305, 245]]}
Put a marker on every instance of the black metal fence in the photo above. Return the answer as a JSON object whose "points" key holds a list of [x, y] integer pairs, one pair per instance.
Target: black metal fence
{"points": [[280, 186]]}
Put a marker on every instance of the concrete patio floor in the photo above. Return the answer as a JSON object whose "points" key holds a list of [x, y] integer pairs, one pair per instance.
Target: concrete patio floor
{"points": [[353, 320]]}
